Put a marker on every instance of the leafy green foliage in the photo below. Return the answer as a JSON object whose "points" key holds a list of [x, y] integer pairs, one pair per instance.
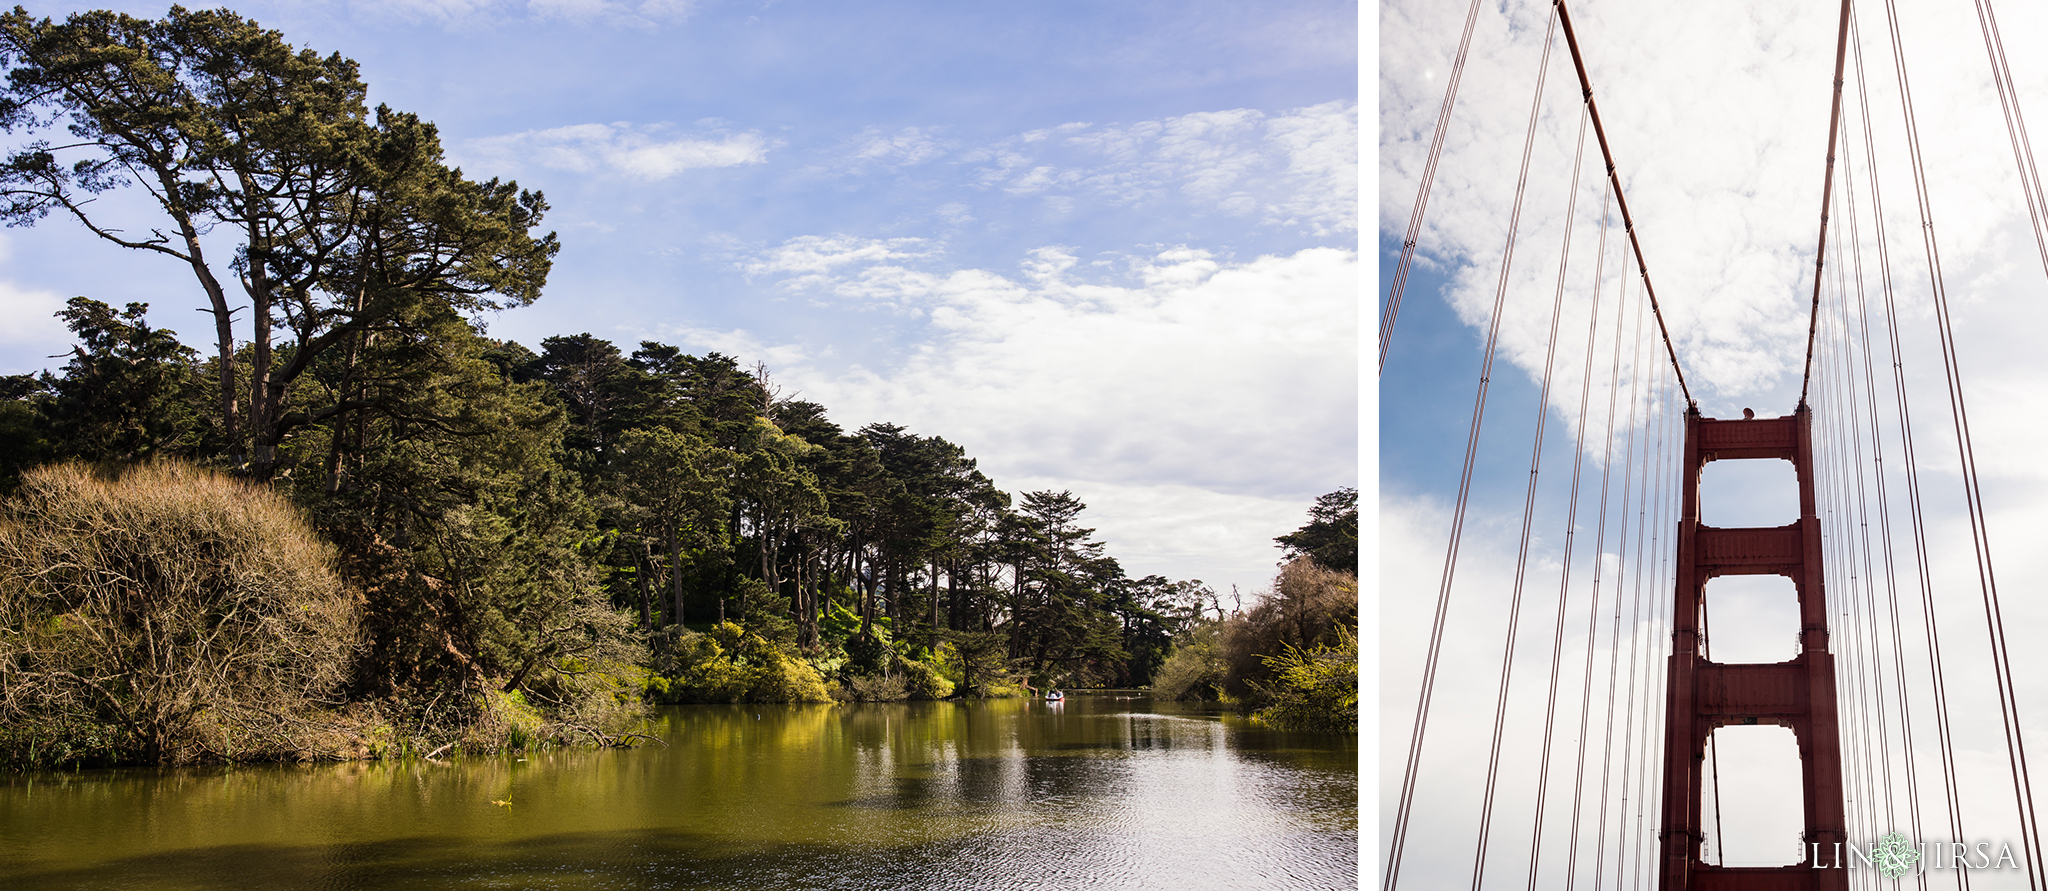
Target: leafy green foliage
{"points": [[1330, 537], [1292, 655], [340, 222], [129, 391], [1315, 689], [730, 664], [1195, 669]]}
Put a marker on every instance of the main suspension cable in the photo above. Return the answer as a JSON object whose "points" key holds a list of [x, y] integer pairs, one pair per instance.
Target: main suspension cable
{"points": [[1627, 222], [1826, 197]]}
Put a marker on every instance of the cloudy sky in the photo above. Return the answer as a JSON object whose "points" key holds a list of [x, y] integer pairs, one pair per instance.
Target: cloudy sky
{"points": [[1109, 248], [1718, 118]]}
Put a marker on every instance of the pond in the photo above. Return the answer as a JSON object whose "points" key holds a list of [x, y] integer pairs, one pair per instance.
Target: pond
{"points": [[1101, 791]]}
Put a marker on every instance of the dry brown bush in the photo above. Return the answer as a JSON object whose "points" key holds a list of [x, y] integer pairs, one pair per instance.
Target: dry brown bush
{"points": [[1307, 604], [166, 614]]}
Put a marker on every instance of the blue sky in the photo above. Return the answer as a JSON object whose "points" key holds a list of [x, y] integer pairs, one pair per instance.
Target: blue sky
{"points": [[1109, 248]]}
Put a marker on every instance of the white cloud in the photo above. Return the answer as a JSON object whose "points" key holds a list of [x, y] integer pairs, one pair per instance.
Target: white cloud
{"points": [[955, 213], [646, 15], [1199, 404], [643, 15], [639, 152], [1297, 169], [1717, 115], [743, 346], [812, 255], [445, 12], [907, 147], [32, 328]]}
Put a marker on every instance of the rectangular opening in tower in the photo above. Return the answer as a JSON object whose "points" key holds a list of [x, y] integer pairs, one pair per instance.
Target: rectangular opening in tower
{"points": [[1752, 618], [1754, 814], [1748, 492]]}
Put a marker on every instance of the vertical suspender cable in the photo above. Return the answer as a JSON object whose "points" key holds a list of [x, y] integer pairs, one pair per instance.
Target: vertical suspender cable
{"points": [[1436, 153], [1407, 800], [1635, 635], [1507, 656], [1570, 536], [1653, 699], [1620, 584], [1987, 580], [1593, 604], [1929, 623], [2015, 124], [1896, 621]]}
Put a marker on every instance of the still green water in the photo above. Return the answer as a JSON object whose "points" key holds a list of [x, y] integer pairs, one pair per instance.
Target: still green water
{"points": [[1101, 791]]}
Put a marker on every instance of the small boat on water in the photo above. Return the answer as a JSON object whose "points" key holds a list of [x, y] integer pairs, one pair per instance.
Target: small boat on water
{"points": [[1055, 696]]}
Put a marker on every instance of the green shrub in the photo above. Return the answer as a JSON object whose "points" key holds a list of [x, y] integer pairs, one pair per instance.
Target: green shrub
{"points": [[730, 664], [1194, 670], [873, 688], [924, 681], [1317, 689]]}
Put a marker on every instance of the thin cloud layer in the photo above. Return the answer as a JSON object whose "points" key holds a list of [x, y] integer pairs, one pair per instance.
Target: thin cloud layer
{"points": [[637, 152], [1297, 169], [646, 15], [32, 326]]}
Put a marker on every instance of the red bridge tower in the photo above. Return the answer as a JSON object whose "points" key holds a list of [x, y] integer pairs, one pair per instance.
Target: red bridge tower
{"points": [[1703, 695]]}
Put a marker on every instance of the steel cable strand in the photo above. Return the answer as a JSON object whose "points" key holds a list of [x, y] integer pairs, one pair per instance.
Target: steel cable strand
{"points": [[1840, 554], [1571, 40], [1841, 396], [1635, 633], [1826, 193], [1827, 458], [1869, 664], [1620, 583], [1653, 692], [2015, 123], [1854, 347], [1657, 413], [1979, 532], [1836, 400], [1412, 768], [1507, 663], [1929, 621], [2030, 186], [1897, 367], [1593, 604], [1570, 533], [1436, 152]]}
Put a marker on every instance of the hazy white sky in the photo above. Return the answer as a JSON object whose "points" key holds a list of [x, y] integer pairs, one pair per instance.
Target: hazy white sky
{"points": [[1109, 248], [1717, 114]]}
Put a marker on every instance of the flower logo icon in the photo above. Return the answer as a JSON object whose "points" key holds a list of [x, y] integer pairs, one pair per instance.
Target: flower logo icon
{"points": [[1894, 855]]}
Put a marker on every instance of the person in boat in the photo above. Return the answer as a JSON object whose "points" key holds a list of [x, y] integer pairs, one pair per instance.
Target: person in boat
{"points": [[1054, 696]]}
